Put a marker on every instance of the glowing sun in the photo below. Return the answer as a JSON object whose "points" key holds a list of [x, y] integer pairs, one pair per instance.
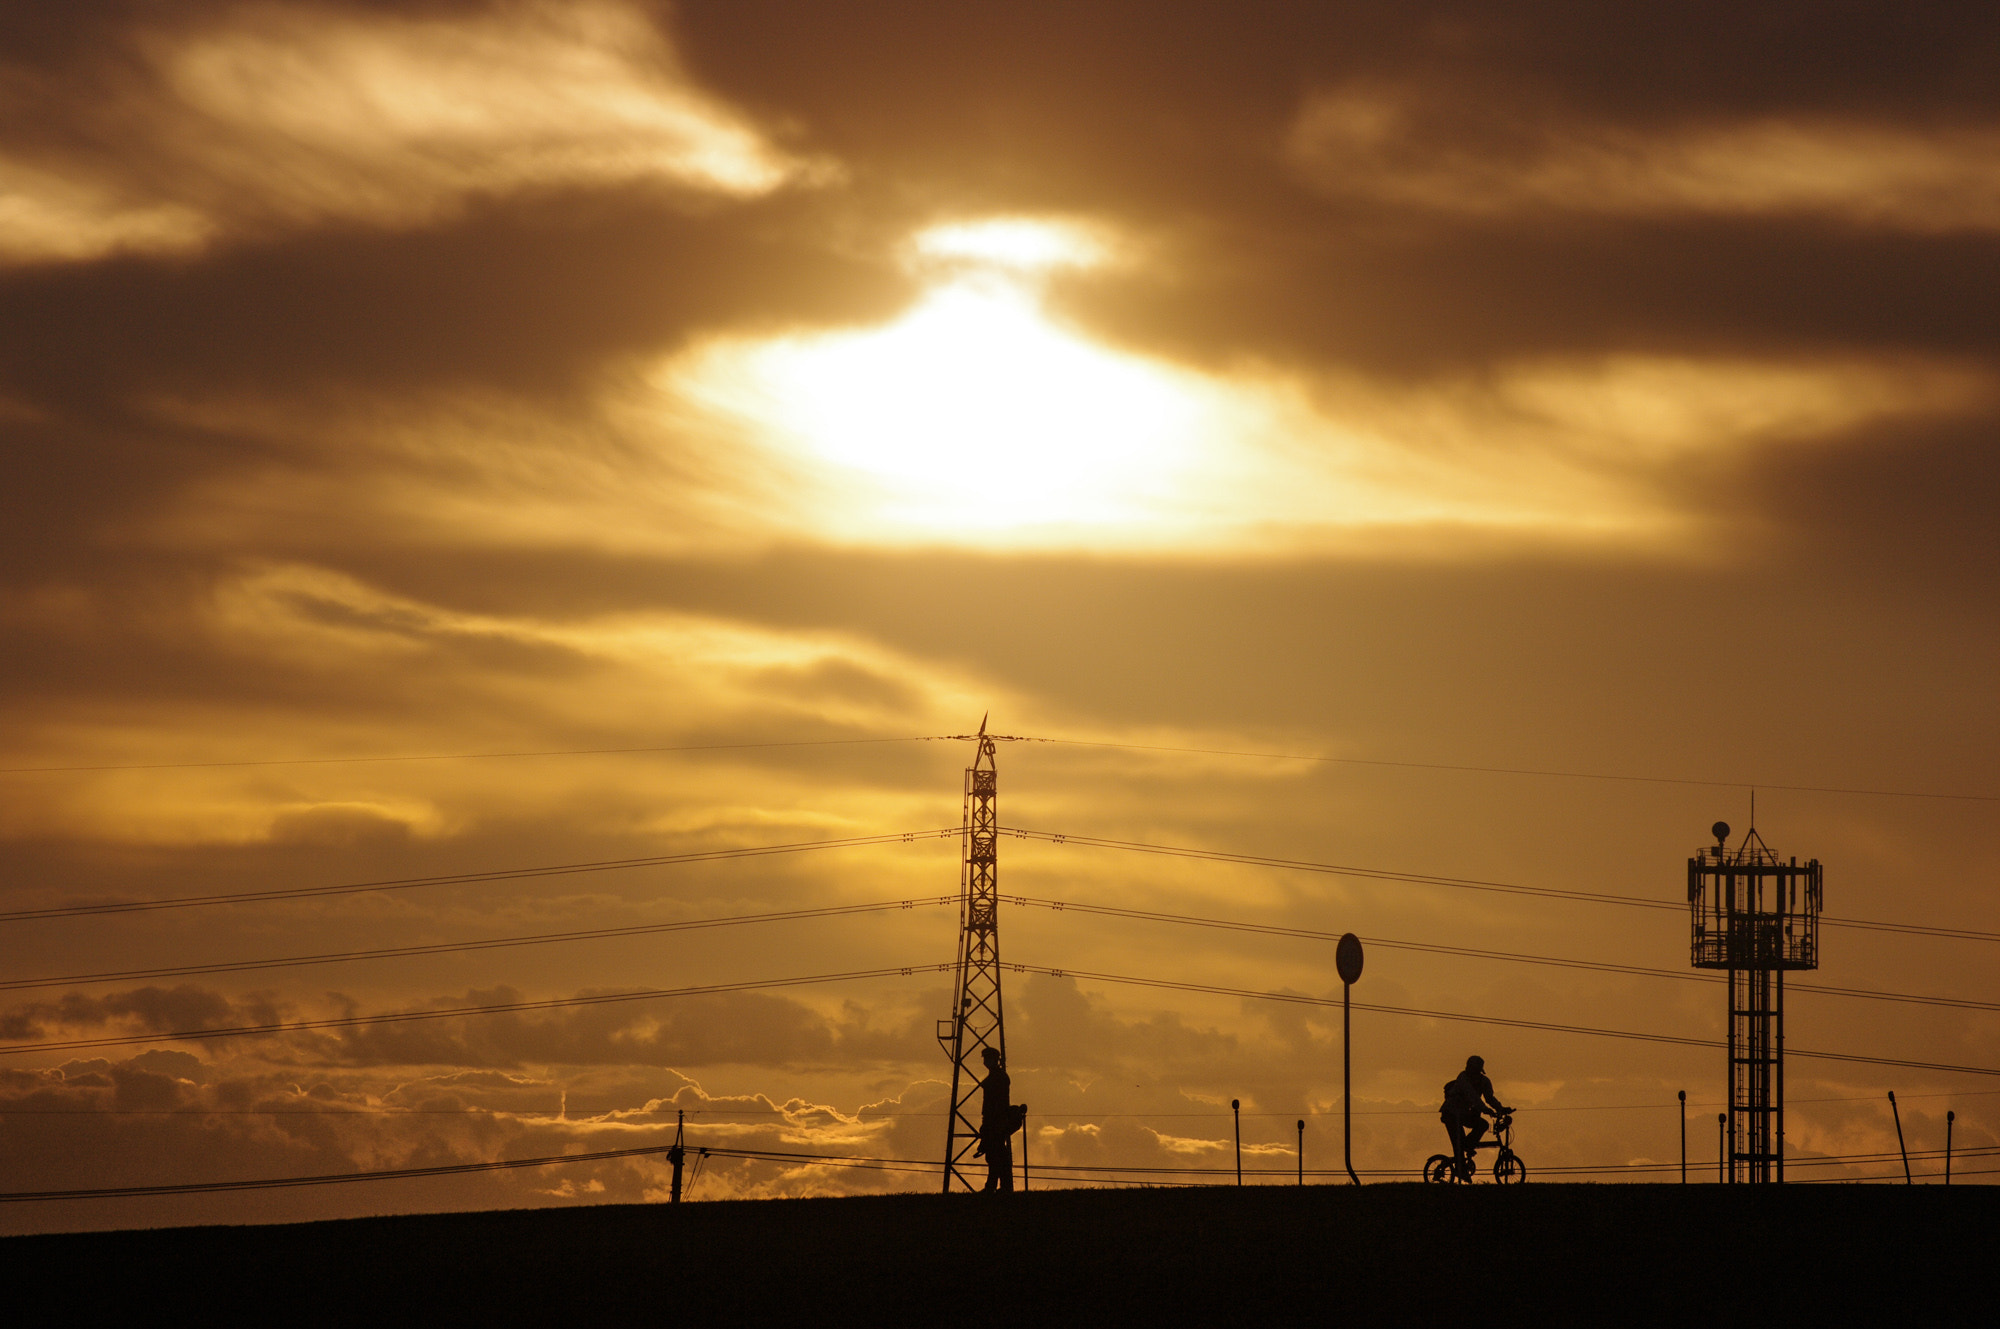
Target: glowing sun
{"points": [[974, 411]]}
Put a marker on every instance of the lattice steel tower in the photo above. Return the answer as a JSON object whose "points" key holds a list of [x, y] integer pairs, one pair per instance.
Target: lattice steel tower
{"points": [[976, 1022], [1756, 918]]}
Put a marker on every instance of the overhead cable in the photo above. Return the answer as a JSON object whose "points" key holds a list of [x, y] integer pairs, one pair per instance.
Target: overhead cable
{"points": [[456, 756], [1302, 999], [1471, 952], [463, 878], [1459, 883], [400, 1017], [1050, 1171], [458, 947], [1545, 772], [1071, 906], [1318, 758], [452, 1012]]}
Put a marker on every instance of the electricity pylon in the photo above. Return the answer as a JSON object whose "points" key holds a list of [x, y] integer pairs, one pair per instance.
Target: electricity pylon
{"points": [[976, 1021]]}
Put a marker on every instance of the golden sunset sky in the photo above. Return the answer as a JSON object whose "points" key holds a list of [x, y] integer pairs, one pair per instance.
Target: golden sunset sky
{"points": [[1454, 440]]}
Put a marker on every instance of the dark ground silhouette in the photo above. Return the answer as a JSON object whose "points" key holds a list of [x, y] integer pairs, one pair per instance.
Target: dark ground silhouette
{"points": [[1219, 1255]]}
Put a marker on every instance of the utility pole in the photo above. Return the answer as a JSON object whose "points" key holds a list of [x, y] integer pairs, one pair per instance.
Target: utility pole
{"points": [[678, 1154], [975, 1023], [1901, 1148], [1236, 1110]]}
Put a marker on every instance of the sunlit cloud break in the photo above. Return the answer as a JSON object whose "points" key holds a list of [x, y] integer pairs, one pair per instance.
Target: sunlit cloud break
{"points": [[979, 417], [1022, 244]]}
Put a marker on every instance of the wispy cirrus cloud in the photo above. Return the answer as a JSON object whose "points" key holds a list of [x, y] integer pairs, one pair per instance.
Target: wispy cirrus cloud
{"points": [[269, 117], [1442, 154]]}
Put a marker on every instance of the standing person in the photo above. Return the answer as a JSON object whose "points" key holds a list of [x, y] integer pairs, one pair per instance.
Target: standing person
{"points": [[996, 1123], [1466, 1100]]}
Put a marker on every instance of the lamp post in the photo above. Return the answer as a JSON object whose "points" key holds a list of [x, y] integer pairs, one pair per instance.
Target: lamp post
{"points": [[1347, 959], [1302, 1152], [1684, 1137]]}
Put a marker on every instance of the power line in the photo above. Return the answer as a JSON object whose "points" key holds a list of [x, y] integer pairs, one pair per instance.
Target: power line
{"points": [[1302, 999], [1053, 1171], [1602, 966], [1459, 883], [489, 1008], [1071, 906], [330, 1178], [1528, 770], [1334, 869], [455, 756], [555, 1003], [463, 878], [1539, 772], [738, 1114], [458, 947]]}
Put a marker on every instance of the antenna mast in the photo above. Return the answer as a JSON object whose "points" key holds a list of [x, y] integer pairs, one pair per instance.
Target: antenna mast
{"points": [[1755, 917]]}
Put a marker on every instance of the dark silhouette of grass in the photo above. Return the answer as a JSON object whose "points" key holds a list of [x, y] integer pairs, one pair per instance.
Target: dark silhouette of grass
{"points": [[1399, 1254]]}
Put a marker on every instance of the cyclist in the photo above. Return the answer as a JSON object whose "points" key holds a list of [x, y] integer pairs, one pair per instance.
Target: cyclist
{"points": [[1466, 1100]]}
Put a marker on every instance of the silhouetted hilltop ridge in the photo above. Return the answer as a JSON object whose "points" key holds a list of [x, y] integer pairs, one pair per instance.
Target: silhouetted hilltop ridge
{"points": [[1400, 1253]]}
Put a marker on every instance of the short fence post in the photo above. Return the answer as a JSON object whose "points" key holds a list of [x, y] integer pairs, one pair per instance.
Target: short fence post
{"points": [[1684, 1137], [1302, 1151], [1949, 1118], [1024, 1146], [1722, 1146]]}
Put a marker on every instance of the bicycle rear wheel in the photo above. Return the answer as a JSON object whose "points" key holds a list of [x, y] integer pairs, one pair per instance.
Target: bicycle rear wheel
{"points": [[1439, 1168], [1508, 1168]]}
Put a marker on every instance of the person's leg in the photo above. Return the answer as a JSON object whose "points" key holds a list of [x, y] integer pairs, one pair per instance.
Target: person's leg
{"points": [[992, 1163], [1457, 1134], [1003, 1159], [1475, 1131]]}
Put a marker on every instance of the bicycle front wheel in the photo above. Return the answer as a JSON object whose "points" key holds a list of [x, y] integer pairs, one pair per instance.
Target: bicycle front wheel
{"points": [[1439, 1168], [1508, 1168]]}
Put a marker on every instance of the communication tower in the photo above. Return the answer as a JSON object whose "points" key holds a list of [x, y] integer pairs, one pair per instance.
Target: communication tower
{"points": [[1755, 917], [975, 1022]]}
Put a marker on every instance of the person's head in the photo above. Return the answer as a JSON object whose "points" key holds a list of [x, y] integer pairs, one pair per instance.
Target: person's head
{"points": [[1477, 1065], [991, 1056]]}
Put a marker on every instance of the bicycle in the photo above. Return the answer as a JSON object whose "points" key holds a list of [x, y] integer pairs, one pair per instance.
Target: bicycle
{"points": [[1507, 1165]]}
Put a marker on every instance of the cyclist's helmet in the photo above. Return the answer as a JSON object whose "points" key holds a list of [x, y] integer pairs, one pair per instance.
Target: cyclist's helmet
{"points": [[1475, 1063]]}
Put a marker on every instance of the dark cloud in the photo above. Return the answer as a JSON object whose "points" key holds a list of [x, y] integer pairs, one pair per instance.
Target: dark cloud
{"points": [[1441, 299], [1910, 510], [528, 299]]}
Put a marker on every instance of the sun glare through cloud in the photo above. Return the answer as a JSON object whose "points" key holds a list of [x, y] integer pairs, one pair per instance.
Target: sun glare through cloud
{"points": [[1018, 243], [976, 412], [980, 416]]}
